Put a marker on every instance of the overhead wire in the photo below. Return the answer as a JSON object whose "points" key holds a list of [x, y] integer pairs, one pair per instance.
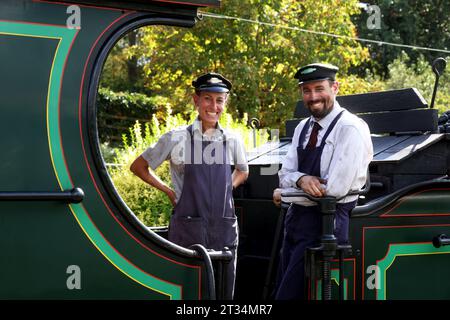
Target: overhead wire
{"points": [[328, 34]]}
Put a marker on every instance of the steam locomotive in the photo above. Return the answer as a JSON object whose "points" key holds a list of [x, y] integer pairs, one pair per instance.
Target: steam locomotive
{"points": [[67, 234]]}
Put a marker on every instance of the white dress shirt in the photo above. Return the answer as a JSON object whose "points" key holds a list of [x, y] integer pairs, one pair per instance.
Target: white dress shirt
{"points": [[346, 155]]}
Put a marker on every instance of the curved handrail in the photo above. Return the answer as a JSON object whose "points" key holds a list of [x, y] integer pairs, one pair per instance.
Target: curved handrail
{"points": [[375, 204], [382, 202], [201, 250], [301, 193]]}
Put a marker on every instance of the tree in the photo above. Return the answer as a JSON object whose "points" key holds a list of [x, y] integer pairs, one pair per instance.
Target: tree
{"points": [[421, 23], [260, 60], [122, 70]]}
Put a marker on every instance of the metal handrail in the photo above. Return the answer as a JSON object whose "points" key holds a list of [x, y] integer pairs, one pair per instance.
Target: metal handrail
{"points": [[201, 250], [75, 195]]}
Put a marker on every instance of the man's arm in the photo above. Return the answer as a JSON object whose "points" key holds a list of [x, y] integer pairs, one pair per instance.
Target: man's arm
{"points": [[141, 169]]}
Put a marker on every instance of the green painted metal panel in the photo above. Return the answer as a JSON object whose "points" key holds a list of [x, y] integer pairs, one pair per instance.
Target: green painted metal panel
{"points": [[397, 241]]}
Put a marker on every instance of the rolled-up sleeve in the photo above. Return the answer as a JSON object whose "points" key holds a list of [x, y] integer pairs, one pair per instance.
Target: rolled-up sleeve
{"points": [[158, 153]]}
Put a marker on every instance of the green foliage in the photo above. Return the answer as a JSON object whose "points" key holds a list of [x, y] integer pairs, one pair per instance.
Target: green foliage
{"points": [[421, 23], [260, 60], [403, 74], [122, 70], [161, 61], [353, 84], [241, 129], [150, 205], [117, 111]]}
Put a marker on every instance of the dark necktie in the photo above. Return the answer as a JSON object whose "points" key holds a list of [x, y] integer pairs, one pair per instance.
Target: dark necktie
{"points": [[313, 137]]}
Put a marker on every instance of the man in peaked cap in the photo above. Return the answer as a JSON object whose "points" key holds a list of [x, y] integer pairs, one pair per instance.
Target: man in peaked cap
{"points": [[329, 155], [201, 156], [315, 72]]}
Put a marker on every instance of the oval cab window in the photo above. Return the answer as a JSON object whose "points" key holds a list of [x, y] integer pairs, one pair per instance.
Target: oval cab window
{"points": [[135, 106]]}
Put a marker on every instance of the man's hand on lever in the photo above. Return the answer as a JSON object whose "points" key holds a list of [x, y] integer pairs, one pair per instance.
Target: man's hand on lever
{"points": [[312, 185]]}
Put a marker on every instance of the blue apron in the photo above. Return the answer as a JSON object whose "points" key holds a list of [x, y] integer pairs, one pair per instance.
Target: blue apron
{"points": [[205, 213], [303, 225]]}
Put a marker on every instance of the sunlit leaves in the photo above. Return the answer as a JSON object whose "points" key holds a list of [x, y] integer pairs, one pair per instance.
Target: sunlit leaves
{"points": [[260, 60]]}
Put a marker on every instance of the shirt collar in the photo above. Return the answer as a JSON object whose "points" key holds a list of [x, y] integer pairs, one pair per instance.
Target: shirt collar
{"points": [[197, 129], [325, 122]]}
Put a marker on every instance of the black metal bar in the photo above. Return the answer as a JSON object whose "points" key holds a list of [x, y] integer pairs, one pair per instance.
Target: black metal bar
{"points": [[328, 242], [273, 263], [75, 195], [220, 290], [434, 92], [438, 67], [201, 250], [254, 124]]}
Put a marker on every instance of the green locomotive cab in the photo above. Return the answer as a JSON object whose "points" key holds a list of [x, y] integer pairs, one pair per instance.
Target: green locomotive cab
{"points": [[65, 232]]}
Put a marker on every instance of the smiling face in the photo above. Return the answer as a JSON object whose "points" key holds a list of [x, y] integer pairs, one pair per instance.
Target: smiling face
{"points": [[318, 97], [210, 106]]}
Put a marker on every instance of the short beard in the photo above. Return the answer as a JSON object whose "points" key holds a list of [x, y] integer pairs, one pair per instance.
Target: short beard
{"points": [[320, 114]]}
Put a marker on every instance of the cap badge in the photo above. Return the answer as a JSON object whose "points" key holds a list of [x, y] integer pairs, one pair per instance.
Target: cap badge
{"points": [[308, 70], [214, 80]]}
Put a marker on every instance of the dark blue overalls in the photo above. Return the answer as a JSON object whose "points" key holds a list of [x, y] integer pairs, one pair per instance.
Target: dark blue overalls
{"points": [[205, 214], [303, 225]]}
